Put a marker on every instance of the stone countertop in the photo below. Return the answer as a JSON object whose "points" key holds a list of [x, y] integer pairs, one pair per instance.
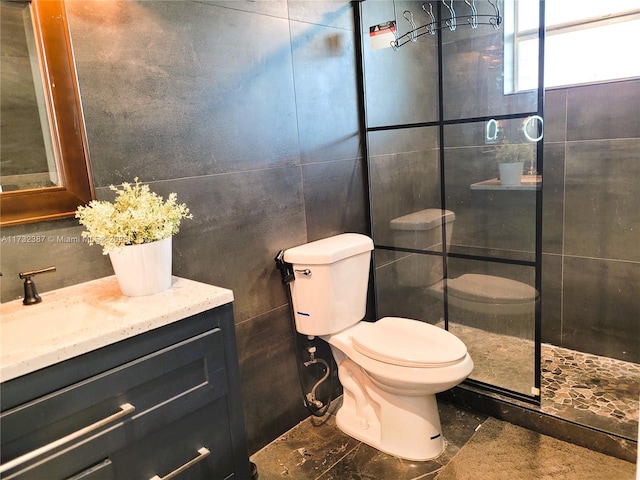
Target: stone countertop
{"points": [[84, 317]]}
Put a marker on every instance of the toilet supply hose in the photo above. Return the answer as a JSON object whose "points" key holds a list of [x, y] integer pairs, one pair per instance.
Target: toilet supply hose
{"points": [[315, 406], [311, 396]]}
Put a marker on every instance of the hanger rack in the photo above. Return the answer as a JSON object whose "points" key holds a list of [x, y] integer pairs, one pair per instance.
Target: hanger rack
{"points": [[472, 20]]}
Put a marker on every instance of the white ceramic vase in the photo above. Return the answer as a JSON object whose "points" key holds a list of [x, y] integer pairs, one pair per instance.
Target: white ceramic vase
{"points": [[143, 269], [511, 173]]}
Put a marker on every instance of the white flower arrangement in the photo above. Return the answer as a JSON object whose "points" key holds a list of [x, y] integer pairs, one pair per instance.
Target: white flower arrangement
{"points": [[136, 216]]}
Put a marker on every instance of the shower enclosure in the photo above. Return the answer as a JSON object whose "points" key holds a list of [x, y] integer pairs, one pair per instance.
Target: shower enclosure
{"points": [[439, 115], [456, 243]]}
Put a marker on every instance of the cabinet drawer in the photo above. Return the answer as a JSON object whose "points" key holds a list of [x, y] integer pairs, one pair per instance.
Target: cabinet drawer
{"points": [[158, 455], [160, 388], [167, 449]]}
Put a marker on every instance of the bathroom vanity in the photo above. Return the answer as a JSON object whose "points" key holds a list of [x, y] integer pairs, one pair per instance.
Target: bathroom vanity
{"points": [[96, 385]]}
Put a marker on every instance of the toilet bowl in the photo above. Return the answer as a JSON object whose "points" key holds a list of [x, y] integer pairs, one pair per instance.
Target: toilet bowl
{"points": [[391, 369], [481, 293]]}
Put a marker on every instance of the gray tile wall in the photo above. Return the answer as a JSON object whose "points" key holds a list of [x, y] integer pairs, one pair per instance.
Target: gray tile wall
{"points": [[591, 247], [248, 111]]}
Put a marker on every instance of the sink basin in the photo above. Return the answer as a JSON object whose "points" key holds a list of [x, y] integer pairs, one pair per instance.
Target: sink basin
{"points": [[46, 324]]}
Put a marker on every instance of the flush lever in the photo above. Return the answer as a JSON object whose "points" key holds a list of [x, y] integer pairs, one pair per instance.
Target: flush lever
{"points": [[306, 272]]}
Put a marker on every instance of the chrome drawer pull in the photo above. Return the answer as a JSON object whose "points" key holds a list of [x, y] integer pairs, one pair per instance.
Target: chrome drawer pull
{"points": [[203, 453], [125, 409]]}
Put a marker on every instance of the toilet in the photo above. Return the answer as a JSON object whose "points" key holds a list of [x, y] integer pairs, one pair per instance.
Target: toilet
{"points": [[481, 293], [391, 369]]}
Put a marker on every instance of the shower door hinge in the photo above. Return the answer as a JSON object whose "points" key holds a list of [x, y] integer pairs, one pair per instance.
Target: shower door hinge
{"points": [[535, 391]]}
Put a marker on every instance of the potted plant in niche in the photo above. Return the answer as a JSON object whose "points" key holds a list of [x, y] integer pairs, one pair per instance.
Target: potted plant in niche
{"points": [[511, 158], [135, 230]]}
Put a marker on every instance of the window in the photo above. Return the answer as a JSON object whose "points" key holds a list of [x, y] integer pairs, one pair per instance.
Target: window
{"points": [[587, 41]]}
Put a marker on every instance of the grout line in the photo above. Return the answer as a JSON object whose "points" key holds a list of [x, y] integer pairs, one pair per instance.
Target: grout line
{"points": [[436, 471], [457, 453], [357, 446]]}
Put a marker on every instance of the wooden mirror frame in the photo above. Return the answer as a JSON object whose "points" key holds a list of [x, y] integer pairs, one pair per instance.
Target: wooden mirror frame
{"points": [[69, 137]]}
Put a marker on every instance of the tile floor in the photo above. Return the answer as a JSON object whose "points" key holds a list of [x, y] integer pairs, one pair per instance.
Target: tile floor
{"points": [[317, 449], [477, 447], [596, 391]]}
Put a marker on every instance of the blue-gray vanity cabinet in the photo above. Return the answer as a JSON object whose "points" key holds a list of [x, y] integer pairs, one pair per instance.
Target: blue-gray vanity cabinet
{"points": [[142, 408]]}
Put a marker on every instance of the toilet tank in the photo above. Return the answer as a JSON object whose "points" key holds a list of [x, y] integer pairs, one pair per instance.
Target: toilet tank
{"points": [[329, 292], [421, 230]]}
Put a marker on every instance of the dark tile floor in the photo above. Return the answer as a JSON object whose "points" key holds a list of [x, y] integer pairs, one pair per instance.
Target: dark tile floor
{"points": [[317, 449], [477, 447]]}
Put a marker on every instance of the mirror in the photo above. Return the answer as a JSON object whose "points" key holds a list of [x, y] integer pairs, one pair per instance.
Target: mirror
{"points": [[28, 160], [44, 168]]}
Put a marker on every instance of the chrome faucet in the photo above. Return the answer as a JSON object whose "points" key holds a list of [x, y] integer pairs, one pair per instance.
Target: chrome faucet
{"points": [[30, 293]]}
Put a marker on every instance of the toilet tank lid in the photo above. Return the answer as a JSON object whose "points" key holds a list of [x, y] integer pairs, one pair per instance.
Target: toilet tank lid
{"points": [[423, 219], [329, 250]]}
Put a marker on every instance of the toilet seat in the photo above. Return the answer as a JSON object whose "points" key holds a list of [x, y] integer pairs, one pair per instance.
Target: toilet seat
{"points": [[490, 289], [408, 343], [420, 379]]}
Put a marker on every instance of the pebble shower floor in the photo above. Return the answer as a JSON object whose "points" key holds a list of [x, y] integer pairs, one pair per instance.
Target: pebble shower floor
{"points": [[600, 392], [576, 383]]}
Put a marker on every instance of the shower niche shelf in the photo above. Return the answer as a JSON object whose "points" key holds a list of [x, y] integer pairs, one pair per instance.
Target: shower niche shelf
{"points": [[529, 182]]}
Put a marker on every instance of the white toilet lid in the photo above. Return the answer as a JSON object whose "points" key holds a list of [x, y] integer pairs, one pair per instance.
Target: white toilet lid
{"points": [[409, 343]]}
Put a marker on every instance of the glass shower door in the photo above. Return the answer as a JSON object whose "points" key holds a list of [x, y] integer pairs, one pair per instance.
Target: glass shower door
{"points": [[490, 127], [457, 240]]}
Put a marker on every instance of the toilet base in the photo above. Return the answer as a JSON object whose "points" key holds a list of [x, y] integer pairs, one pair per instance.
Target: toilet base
{"points": [[404, 426]]}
